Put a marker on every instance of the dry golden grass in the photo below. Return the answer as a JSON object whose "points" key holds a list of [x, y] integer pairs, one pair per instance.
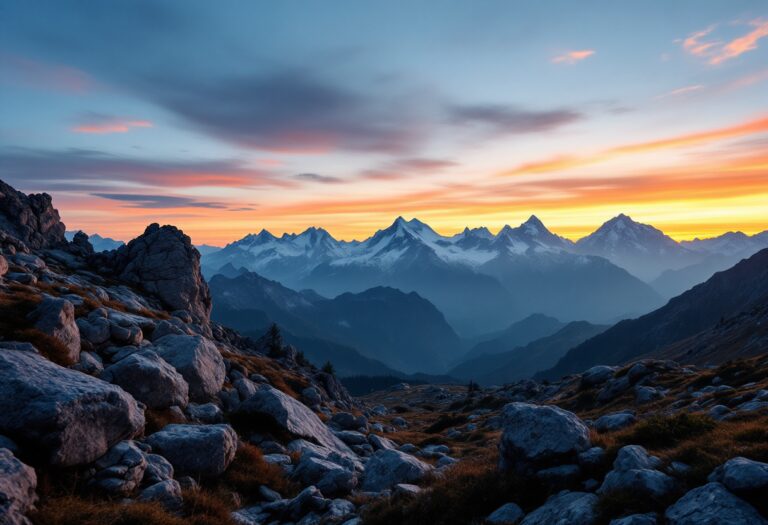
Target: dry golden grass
{"points": [[73, 510], [157, 419], [282, 379], [249, 471], [466, 494]]}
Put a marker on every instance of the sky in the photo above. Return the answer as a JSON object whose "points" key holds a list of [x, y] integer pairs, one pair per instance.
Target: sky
{"points": [[227, 117]]}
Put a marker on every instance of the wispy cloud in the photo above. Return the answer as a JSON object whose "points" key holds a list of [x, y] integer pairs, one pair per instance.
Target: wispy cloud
{"points": [[316, 177], [402, 168], [705, 45], [572, 57], [44, 75], [565, 162], [99, 124], [158, 201], [680, 91], [75, 166], [502, 120]]}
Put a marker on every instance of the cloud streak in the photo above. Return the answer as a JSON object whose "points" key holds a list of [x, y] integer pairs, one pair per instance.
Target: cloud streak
{"points": [[316, 177], [573, 57], [158, 201], [509, 120], [75, 166], [716, 51], [95, 123]]}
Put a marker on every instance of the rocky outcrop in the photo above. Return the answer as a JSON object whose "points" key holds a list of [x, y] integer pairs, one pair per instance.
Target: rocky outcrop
{"points": [[150, 379], [162, 262], [31, 219], [571, 508], [535, 436], [120, 470], [742, 476], [198, 360], [196, 450], [332, 479], [17, 489], [292, 416], [712, 504], [387, 468], [66, 416], [56, 317]]}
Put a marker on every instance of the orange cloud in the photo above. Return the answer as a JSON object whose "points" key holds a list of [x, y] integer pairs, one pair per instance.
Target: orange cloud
{"points": [[571, 57], [717, 51], [691, 139], [113, 126], [680, 91]]}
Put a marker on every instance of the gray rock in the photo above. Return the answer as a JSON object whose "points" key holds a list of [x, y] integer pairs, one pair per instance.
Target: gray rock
{"points": [[613, 389], [565, 508], [150, 379], [308, 500], [387, 468], [120, 470], [561, 475], [89, 363], [333, 480], [615, 421], [381, 443], [742, 476], [245, 388], [712, 504], [293, 416], [198, 360], [592, 458], [68, 417], [158, 469], [597, 375], [207, 413], [31, 219], [167, 493], [645, 482], [406, 489], [311, 396], [303, 447], [94, 329], [163, 262], [647, 394], [17, 489], [537, 436], [636, 519], [347, 421], [196, 450], [635, 457], [56, 317], [507, 514], [351, 437]]}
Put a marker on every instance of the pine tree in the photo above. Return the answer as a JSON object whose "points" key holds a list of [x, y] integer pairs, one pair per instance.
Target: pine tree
{"points": [[274, 341], [328, 368]]}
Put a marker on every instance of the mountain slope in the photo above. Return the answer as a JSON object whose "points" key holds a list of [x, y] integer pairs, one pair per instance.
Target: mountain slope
{"points": [[726, 294], [405, 331], [517, 334], [525, 361]]}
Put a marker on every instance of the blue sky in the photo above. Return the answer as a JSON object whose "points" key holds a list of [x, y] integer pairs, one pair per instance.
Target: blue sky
{"points": [[226, 117]]}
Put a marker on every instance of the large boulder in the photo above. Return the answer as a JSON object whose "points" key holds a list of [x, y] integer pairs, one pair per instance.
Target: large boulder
{"points": [[332, 479], [507, 514], [64, 415], [199, 362], [150, 379], [196, 450], [742, 476], [292, 416], [17, 489], [163, 262], [565, 508], [634, 470], [387, 468], [31, 219], [120, 470], [712, 504], [539, 436], [56, 317]]}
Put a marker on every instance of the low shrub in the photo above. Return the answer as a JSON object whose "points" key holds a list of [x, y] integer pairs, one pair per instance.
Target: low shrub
{"points": [[667, 431]]}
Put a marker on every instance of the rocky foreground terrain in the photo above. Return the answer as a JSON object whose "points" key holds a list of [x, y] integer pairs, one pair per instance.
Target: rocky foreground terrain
{"points": [[121, 402]]}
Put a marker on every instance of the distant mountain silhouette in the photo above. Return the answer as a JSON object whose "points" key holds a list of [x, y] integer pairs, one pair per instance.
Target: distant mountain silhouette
{"points": [[725, 295], [519, 333], [405, 331], [525, 360]]}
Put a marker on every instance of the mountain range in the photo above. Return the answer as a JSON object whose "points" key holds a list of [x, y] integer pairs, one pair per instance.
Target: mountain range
{"points": [[483, 281], [403, 331], [99, 243]]}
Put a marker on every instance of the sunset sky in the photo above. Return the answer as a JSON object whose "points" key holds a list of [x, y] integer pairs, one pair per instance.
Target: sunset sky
{"points": [[227, 117]]}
